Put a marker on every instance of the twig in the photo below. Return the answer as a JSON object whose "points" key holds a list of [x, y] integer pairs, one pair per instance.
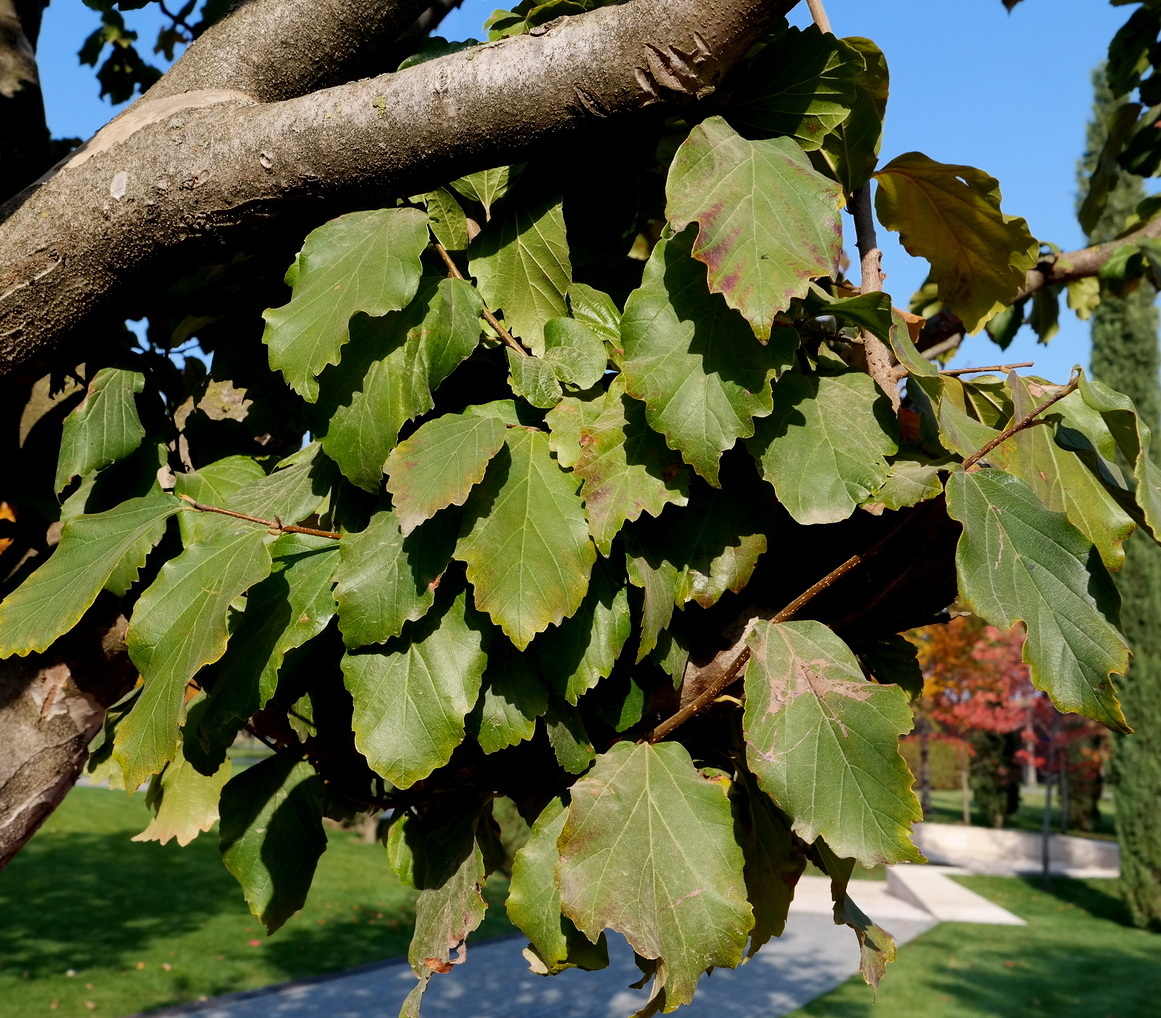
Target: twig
{"points": [[990, 367], [453, 270], [818, 12], [275, 524], [722, 682], [879, 360], [1020, 425]]}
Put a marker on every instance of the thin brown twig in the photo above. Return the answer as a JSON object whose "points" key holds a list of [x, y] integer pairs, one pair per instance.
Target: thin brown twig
{"points": [[453, 270], [818, 12], [880, 364], [723, 681], [990, 367], [275, 524], [1018, 426]]}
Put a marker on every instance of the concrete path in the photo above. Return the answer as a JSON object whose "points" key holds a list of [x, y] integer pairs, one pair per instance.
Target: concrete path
{"points": [[810, 959]]}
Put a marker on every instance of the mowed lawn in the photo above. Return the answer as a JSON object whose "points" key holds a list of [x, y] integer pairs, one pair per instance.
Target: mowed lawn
{"points": [[1076, 958], [94, 924]]}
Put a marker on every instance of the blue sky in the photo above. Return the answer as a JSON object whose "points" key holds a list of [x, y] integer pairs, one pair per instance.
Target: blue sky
{"points": [[970, 83]]}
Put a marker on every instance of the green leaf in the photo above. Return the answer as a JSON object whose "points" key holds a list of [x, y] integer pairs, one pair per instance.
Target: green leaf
{"points": [[707, 548], [582, 650], [1020, 562], [389, 375], [526, 540], [909, 482], [440, 464], [386, 580], [626, 468], [1132, 437], [576, 353], [512, 699], [568, 736], [823, 743], [870, 311], [520, 261], [768, 222], [446, 219], [567, 419], [363, 261], [288, 608], [649, 850], [534, 903], [179, 624], [596, 309], [412, 695], [951, 216], [694, 362], [534, 379], [801, 86], [103, 428], [824, 448], [450, 905], [876, 945], [657, 577], [773, 860], [1058, 476], [487, 186], [272, 834], [184, 802], [92, 550], [294, 491], [852, 149]]}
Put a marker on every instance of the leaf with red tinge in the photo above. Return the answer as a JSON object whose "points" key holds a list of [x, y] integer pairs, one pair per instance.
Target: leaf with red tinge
{"points": [[649, 850], [768, 222], [823, 743]]}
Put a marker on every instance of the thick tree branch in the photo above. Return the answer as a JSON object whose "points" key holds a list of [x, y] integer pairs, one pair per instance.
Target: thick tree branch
{"points": [[105, 222], [1073, 265], [279, 49]]}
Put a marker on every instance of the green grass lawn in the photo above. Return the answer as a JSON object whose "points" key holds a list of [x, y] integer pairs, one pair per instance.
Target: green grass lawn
{"points": [[89, 918], [1076, 958], [947, 808]]}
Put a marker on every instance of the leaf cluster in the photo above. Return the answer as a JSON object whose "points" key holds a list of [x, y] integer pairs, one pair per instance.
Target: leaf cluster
{"points": [[523, 490]]}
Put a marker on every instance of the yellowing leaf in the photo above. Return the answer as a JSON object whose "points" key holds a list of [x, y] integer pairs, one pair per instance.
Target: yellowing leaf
{"points": [[951, 216]]}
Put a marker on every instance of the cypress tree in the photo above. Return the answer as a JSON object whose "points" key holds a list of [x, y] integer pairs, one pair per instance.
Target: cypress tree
{"points": [[1125, 357]]}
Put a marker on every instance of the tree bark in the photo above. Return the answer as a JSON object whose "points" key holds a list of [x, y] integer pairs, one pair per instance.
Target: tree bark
{"points": [[24, 139], [200, 168]]}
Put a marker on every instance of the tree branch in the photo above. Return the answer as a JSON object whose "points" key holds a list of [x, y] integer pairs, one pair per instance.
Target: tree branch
{"points": [[201, 176], [1073, 265], [279, 49]]}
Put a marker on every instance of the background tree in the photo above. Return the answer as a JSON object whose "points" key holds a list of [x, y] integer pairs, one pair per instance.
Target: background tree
{"points": [[1125, 355], [565, 465]]}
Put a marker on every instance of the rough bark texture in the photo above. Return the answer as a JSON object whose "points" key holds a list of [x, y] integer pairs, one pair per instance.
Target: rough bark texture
{"points": [[203, 174], [48, 724], [278, 49], [52, 705]]}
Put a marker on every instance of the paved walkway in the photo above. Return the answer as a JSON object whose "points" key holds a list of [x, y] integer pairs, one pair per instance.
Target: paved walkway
{"points": [[810, 959]]}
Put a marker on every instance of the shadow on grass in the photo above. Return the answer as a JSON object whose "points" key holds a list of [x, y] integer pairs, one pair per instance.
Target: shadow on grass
{"points": [[82, 900], [1091, 898]]}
